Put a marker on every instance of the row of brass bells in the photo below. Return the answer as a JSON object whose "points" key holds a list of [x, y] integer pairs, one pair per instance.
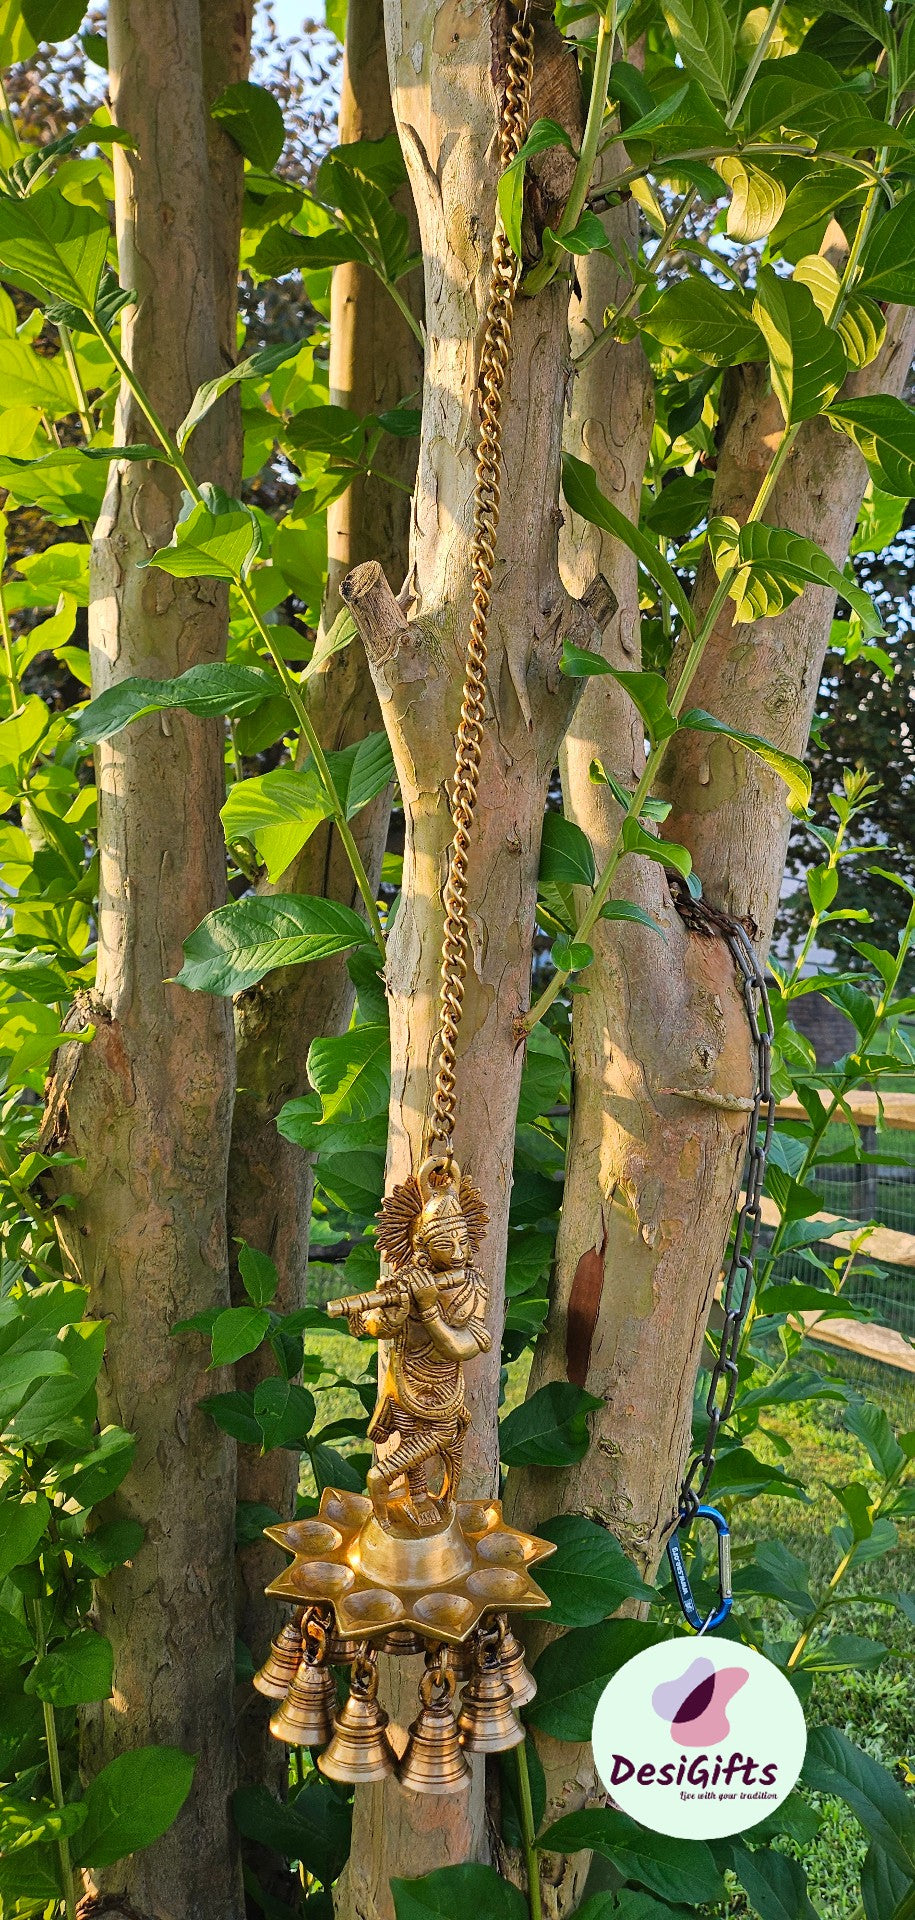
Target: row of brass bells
{"points": [[306, 1717], [360, 1750]]}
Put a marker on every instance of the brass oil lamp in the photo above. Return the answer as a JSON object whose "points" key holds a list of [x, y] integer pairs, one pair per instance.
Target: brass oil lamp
{"points": [[406, 1566], [403, 1568]]}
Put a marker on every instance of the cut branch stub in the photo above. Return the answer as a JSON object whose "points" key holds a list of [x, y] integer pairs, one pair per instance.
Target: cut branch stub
{"points": [[380, 621]]}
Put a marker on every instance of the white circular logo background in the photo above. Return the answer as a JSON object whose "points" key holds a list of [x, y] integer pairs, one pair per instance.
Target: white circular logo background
{"points": [[699, 1738]]}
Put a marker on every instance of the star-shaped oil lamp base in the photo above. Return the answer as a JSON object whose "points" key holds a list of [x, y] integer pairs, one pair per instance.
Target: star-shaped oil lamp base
{"points": [[436, 1582]]}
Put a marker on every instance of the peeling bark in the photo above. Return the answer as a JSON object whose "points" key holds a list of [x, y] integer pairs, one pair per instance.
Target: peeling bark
{"points": [[375, 363], [147, 1106]]}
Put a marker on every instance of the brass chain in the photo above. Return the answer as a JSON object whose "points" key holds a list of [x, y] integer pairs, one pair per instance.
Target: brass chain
{"points": [[494, 362]]}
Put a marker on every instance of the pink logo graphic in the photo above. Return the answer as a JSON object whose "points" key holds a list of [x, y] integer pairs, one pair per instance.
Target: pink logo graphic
{"points": [[695, 1703]]}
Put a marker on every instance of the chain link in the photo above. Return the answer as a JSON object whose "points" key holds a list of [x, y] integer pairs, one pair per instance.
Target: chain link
{"points": [[738, 1281], [506, 269]]}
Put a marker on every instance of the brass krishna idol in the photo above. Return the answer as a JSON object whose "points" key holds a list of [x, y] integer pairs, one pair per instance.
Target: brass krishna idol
{"points": [[405, 1555], [406, 1567]]}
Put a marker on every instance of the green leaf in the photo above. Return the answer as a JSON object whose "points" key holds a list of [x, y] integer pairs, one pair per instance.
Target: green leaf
{"points": [[701, 318], [211, 545], [674, 1869], [792, 771], [883, 429], [579, 484], [100, 1471], [132, 1802], [776, 1885], [237, 1331], [78, 1671], [233, 1413], [572, 1672], [257, 367], [284, 1412], [23, 1823], [834, 1766], [53, 20], [259, 1275], [757, 200], [704, 42], [588, 1576], [50, 246], [470, 1888], [351, 1072], [565, 853], [570, 956], [806, 357], [253, 117], [666, 853], [237, 945], [216, 689], [861, 325], [842, 1653], [627, 910], [362, 772], [870, 1425], [888, 261], [773, 567], [550, 1429], [313, 1827], [647, 691], [24, 1525], [278, 812], [543, 135]]}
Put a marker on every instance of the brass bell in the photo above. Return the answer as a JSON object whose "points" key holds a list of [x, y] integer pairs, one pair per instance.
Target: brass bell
{"points": [[462, 1660], [402, 1640], [280, 1667], [433, 1761], [343, 1650], [306, 1717], [487, 1722], [513, 1668], [360, 1750]]}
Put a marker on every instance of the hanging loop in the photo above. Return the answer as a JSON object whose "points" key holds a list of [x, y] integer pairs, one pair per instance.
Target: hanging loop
{"points": [[685, 1596]]}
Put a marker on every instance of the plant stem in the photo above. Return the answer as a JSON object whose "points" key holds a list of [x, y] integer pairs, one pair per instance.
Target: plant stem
{"points": [[528, 1833], [76, 380], [57, 1788], [553, 253], [823, 1605], [400, 303], [293, 693], [6, 633]]}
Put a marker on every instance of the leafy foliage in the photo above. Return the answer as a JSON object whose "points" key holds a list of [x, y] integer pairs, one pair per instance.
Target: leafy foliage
{"points": [[807, 134]]}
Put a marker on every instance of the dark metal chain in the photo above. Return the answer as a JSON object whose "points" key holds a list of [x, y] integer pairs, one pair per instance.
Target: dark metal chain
{"points": [[699, 917]]}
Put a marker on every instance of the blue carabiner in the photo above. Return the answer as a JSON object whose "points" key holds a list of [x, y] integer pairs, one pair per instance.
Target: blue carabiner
{"points": [[681, 1577]]}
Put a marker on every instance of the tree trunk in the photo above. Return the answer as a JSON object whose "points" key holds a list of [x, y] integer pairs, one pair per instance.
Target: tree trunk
{"points": [[375, 363], [147, 1106], [447, 74], [661, 1056]]}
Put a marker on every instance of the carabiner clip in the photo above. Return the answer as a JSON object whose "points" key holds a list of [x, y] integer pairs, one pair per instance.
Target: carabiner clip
{"points": [[681, 1577]]}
